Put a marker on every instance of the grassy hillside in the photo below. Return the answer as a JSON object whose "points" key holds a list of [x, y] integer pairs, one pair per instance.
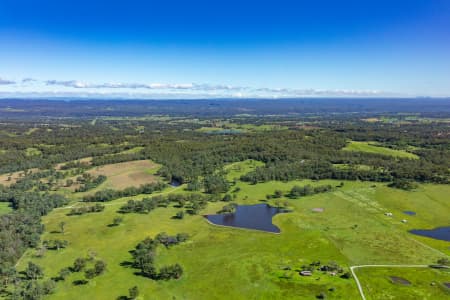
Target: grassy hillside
{"points": [[371, 147]]}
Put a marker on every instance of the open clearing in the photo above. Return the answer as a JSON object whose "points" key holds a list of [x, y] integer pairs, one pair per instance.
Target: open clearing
{"points": [[410, 119], [126, 174], [32, 151], [86, 160], [132, 150], [10, 178], [254, 261], [235, 170], [5, 208], [372, 147], [237, 128]]}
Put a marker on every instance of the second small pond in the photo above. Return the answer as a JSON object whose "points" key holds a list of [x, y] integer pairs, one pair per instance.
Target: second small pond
{"points": [[440, 233]]}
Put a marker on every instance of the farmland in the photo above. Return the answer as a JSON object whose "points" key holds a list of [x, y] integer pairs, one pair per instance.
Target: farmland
{"points": [[377, 149], [306, 237], [424, 283], [122, 175], [225, 150], [112, 203]]}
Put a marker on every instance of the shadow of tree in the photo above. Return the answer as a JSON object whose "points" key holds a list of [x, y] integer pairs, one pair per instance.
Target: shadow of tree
{"points": [[80, 282]]}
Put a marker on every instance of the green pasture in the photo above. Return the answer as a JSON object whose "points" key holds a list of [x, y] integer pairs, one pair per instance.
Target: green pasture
{"points": [[424, 283], [231, 263], [4, 208], [32, 151], [371, 147], [221, 126]]}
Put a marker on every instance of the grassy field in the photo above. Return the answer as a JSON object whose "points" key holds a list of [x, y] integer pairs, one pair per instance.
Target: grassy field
{"points": [[132, 150], [407, 119], [425, 283], [32, 151], [235, 170], [230, 263], [219, 130], [242, 127], [371, 147], [131, 173], [86, 160], [263, 127], [4, 208], [31, 130], [118, 176]]}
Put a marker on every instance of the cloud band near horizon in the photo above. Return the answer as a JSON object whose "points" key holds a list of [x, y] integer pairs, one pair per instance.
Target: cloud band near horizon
{"points": [[31, 86]]}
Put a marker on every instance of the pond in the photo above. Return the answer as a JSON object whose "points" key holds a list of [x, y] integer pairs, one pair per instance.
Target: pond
{"points": [[439, 233], [409, 213], [174, 183], [258, 217]]}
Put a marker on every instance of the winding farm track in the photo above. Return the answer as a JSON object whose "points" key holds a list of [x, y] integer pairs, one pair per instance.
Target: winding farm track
{"points": [[361, 292]]}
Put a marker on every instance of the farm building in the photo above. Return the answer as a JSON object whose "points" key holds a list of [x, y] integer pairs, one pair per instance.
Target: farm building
{"points": [[305, 273]]}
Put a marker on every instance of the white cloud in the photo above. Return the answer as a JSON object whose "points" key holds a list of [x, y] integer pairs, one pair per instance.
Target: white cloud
{"points": [[6, 81], [28, 79], [174, 90], [68, 83]]}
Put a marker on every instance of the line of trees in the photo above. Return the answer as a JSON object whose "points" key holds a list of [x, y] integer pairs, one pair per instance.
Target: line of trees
{"points": [[299, 191], [77, 211], [110, 194], [193, 203]]}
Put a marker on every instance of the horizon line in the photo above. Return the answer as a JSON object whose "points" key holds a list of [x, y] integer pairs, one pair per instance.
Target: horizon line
{"points": [[105, 98]]}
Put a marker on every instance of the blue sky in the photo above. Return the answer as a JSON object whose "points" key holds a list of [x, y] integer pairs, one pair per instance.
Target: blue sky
{"points": [[177, 49]]}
